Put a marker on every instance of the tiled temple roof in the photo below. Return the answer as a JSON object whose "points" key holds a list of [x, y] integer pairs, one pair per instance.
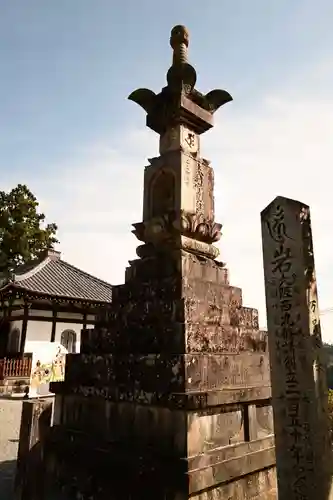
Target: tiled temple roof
{"points": [[55, 277]]}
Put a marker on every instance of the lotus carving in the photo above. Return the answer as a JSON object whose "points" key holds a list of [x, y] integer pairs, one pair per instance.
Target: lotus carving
{"points": [[171, 225]]}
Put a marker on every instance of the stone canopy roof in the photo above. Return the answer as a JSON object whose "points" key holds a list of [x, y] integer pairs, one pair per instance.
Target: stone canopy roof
{"points": [[54, 278]]}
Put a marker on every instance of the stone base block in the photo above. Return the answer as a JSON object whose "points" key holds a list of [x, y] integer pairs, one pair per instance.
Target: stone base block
{"points": [[176, 431], [153, 376], [123, 472]]}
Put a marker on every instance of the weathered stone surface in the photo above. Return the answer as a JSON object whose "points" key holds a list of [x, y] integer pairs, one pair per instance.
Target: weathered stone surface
{"points": [[192, 314], [179, 433], [190, 400], [166, 398], [259, 486], [298, 376], [220, 467], [198, 405], [157, 374], [249, 463], [175, 337]]}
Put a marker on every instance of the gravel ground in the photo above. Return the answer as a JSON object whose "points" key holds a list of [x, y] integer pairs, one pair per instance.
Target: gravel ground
{"points": [[10, 419]]}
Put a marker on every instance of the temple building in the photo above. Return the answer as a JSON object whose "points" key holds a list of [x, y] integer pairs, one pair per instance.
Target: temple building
{"points": [[47, 301]]}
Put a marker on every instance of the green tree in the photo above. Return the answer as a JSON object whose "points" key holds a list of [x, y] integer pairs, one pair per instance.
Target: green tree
{"points": [[328, 353], [23, 233]]}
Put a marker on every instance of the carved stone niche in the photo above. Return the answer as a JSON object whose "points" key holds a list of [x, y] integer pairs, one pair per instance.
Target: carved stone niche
{"points": [[162, 189]]}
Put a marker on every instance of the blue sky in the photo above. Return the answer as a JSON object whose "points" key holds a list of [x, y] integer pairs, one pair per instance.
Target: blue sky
{"points": [[69, 132]]}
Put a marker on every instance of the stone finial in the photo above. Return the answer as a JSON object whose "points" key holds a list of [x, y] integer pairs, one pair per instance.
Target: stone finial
{"points": [[180, 102], [179, 35], [181, 75], [179, 41]]}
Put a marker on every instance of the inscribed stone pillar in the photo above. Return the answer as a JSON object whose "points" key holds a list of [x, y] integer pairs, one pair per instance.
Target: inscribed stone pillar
{"points": [[299, 390]]}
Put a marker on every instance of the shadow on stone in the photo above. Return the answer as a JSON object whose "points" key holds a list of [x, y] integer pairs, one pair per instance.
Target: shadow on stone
{"points": [[7, 475]]}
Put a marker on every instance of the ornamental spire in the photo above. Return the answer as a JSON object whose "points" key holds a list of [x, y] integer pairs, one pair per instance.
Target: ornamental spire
{"points": [[179, 102], [179, 41]]}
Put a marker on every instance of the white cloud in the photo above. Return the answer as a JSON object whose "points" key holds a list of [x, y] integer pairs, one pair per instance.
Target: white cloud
{"points": [[283, 147]]}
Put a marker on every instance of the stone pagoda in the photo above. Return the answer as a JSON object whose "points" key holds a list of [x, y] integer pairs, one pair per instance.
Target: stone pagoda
{"points": [[170, 395]]}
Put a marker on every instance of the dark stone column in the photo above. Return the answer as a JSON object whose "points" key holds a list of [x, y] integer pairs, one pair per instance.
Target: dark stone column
{"points": [[24, 328], [30, 471]]}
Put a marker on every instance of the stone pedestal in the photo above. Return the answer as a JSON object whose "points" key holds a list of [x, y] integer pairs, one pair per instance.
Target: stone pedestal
{"points": [[171, 390], [170, 395]]}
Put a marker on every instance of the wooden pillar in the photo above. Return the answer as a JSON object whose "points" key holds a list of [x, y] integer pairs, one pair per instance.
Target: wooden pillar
{"points": [[54, 325], [24, 328], [84, 320], [299, 394]]}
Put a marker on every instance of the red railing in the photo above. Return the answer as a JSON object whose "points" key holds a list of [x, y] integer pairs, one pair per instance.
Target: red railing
{"points": [[16, 366]]}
